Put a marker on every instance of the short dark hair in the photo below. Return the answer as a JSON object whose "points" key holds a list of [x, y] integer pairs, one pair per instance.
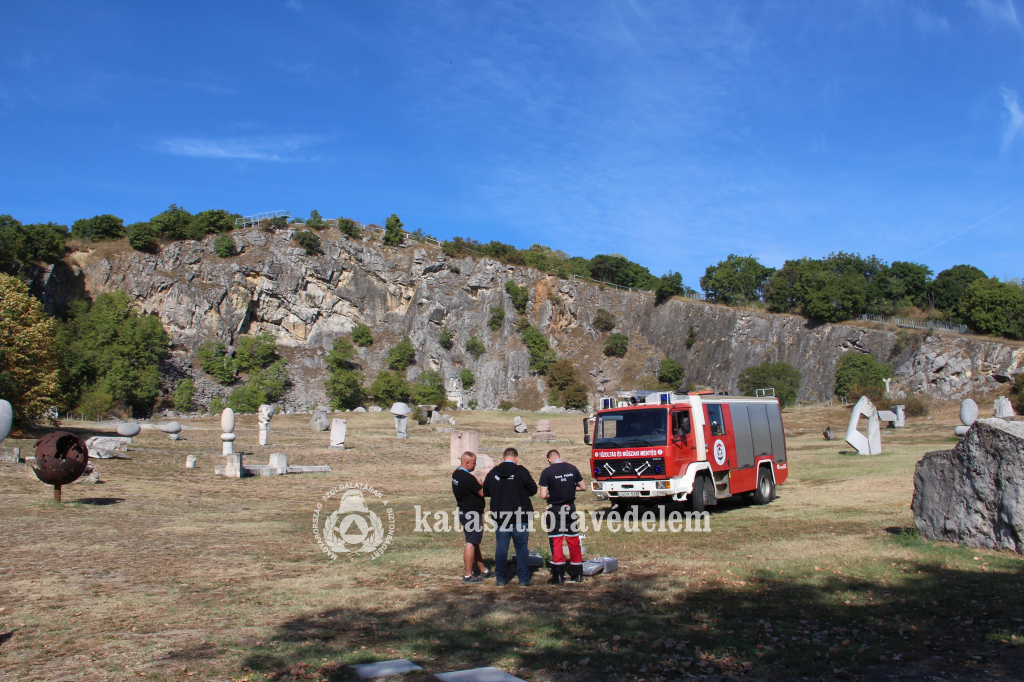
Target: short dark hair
{"points": [[553, 452], [510, 453], [467, 452]]}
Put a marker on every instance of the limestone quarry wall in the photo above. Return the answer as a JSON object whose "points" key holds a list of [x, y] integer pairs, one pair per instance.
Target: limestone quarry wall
{"points": [[308, 301]]}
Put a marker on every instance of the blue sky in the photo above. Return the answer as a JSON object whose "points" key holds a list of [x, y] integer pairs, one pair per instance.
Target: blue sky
{"points": [[672, 132]]}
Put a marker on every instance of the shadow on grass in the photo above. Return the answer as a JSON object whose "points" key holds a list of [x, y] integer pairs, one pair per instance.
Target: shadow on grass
{"points": [[4, 636], [914, 620], [100, 501]]}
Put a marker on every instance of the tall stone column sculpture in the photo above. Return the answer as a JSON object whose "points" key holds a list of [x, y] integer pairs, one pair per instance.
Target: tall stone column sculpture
{"points": [[338, 428], [872, 444], [233, 466], [968, 415], [401, 412], [265, 413]]}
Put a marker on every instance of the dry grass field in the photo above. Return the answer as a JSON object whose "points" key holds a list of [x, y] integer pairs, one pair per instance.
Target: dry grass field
{"points": [[167, 573]]}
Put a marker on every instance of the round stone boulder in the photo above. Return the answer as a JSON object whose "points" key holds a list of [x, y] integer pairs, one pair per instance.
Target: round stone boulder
{"points": [[6, 419], [968, 412], [128, 429], [171, 427]]}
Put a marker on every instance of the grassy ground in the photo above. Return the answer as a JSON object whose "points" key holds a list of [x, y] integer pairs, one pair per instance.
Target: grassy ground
{"points": [[172, 574]]}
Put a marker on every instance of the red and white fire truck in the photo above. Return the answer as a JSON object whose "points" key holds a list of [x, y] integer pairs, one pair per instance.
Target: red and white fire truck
{"points": [[698, 447]]}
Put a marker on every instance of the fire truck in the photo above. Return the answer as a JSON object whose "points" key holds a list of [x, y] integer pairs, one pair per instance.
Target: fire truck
{"points": [[697, 448]]}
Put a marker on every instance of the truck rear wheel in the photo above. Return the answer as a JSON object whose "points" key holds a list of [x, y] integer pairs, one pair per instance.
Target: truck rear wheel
{"points": [[695, 503], [765, 491]]}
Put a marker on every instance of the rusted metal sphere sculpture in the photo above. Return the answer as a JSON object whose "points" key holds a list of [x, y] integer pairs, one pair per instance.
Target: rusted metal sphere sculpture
{"points": [[61, 457]]}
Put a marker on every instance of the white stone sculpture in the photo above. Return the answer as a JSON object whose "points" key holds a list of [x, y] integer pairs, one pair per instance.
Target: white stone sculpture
{"points": [[172, 429], [360, 409], [338, 429], [518, 425], [886, 382], [128, 429], [968, 415], [227, 425], [1002, 409], [401, 412], [872, 443], [6, 419], [463, 441], [319, 422], [265, 414], [376, 408], [190, 462]]}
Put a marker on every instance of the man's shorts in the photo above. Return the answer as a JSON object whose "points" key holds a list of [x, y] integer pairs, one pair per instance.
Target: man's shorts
{"points": [[561, 519], [472, 526]]}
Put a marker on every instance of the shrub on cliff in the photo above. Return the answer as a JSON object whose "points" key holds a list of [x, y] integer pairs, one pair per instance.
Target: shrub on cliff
{"points": [[25, 244], [344, 385], [541, 354], [265, 385], [142, 237], [467, 377], [98, 227], [316, 221], [671, 373], [428, 389], [737, 280], [224, 245], [782, 376], [389, 388], [402, 355], [475, 347], [859, 372], [107, 346], [1017, 394], [496, 319], [216, 360], [349, 228], [604, 321], [308, 241], [362, 336], [29, 375], [447, 338], [616, 345], [183, 395], [520, 296], [993, 307], [393, 232]]}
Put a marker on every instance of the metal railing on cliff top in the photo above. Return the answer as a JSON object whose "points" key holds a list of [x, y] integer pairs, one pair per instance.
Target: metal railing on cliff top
{"points": [[916, 324]]}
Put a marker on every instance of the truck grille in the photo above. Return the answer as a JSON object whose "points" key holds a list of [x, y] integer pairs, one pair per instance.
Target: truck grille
{"points": [[640, 467]]}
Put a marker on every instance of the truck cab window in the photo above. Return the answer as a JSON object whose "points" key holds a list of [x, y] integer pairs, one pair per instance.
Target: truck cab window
{"points": [[715, 420], [680, 425]]}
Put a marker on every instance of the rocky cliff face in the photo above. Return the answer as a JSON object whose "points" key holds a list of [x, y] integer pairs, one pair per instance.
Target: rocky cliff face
{"points": [[308, 301]]}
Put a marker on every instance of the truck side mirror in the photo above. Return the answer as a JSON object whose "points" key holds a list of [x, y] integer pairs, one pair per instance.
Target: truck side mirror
{"points": [[586, 438]]}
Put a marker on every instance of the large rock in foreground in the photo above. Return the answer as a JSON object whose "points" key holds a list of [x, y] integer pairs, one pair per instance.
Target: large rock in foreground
{"points": [[974, 493]]}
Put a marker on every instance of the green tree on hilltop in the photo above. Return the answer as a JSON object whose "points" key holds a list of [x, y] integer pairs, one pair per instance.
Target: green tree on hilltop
{"points": [[393, 233]]}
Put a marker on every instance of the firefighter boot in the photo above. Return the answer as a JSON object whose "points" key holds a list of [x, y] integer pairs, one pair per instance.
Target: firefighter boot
{"points": [[576, 573], [557, 575]]}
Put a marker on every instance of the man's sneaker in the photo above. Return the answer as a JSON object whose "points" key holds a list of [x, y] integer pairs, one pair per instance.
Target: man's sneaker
{"points": [[470, 580], [501, 583], [577, 578], [485, 575], [526, 584]]}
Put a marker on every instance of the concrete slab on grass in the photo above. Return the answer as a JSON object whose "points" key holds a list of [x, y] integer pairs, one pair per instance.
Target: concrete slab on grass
{"points": [[478, 675], [398, 666]]}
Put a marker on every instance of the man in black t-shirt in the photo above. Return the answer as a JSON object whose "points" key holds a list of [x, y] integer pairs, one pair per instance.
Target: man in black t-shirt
{"points": [[558, 485], [469, 497]]}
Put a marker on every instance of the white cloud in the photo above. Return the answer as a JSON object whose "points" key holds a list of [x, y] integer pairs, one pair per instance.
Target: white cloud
{"points": [[1014, 119], [277, 148], [997, 11]]}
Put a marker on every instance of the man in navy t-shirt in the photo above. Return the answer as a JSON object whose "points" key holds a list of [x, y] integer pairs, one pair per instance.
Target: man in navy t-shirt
{"points": [[469, 497], [558, 485]]}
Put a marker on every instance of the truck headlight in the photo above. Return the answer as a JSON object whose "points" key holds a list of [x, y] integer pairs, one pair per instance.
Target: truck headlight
{"points": [[597, 485], [662, 485]]}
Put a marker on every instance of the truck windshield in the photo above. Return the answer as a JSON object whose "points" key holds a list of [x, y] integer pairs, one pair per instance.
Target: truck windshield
{"points": [[631, 428]]}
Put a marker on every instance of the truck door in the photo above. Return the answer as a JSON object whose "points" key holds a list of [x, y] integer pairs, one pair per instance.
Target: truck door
{"points": [[683, 442]]}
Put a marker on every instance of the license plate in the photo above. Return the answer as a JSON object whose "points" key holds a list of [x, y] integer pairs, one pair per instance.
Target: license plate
{"points": [[630, 494]]}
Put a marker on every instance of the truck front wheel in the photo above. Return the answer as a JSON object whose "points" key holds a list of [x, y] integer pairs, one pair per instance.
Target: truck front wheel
{"points": [[765, 491], [695, 503]]}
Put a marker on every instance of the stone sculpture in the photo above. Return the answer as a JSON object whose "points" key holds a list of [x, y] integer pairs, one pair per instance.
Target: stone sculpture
{"points": [[886, 382], [519, 426], [172, 429], [128, 429], [972, 493], [872, 443], [276, 466], [828, 433], [190, 462], [1002, 409], [360, 409], [265, 414], [895, 417], [227, 425], [968, 415], [338, 428], [108, 447], [376, 408], [6, 419], [544, 430], [319, 421], [401, 412], [463, 441]]}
